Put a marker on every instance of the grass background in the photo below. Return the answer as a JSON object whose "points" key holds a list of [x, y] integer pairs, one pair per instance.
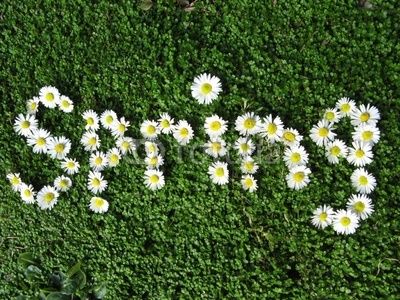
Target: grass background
{"points": [[193, 239]]}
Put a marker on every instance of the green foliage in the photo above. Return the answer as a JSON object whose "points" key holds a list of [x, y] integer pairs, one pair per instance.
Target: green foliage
{"points": [[193, 239]]}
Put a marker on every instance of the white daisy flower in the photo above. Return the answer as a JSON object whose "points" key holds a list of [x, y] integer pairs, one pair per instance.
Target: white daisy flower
{"points": [[215, 126], [49, 96], [96, 183], [334, 150], [119, 127], [154, 179], [205, 88], [47, 197], [249, 183], [24, 125], [248, 165], [291, 137], [166, 123], [98, 161], [70, 166], [108, 118], [322, 216], [295, 156], [58, 147], [15, 181], [38, 140], [32, 105], [360, 154], [244, 146], [90, 141], [345, 222], [331, 115], [27, 193], [360, 205], [183, 132], [126, 145], [98, 205], [322, 133], [248, 124], [151, 148], [298, 177], [62, 183], [154, 161], [362, 181], [219, 172], [149, 129], [367, 134], [66, 104], [113, 157], [216, 147], [365, 115], [92, 120], [345, 106], [272, 128]]}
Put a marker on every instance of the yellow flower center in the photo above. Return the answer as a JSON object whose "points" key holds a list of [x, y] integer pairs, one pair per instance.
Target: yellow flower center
{"points": [[114, 158], [96, 182], [367, 135], [154, 161], [15, 180], [92, 141], [323, 216], [335, 151], [25, 124], [205, 88], [248, 182], [359, 153], [216, 146], [33, 105], [215, 125], [121, 127], [345, 107], [154, 178], [98, 160], [248, 165], [49, 97], [359, 206], [249, 123], [165, 123], [109, 119], [90, 121], [125, 145], [272, 128], [59, 148], [184, 132], [329, 115], [49, 197], [27, 193], [295, 157], [364, 117], [98, 202], [298, 177], [65, 104], [151, 129], [64, 183], [41, 141], [323, 132], [244, 147], [219, 172], [363, 180], [345, 221], [70, 165], [289, 136], [152, 148]]}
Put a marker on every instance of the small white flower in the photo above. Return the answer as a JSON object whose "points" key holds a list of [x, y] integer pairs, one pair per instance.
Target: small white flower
{"points": [[98, 205], [96, 183], [62, 183], [32, 105], [322, 133], [360, 154], [272, 129], [108, 118], [360, 205], [248, 165], [154, 179], [345, 222], [166, 123], [365, 115], [248, 124], [205, 88], [90, 141], [58, 147], [92, 120], [367, 134], [216, 147], [331, 115], [49, 96], [39, 140], [295, 156], [291, 137], [298, 177], [219, 173], [15, 181], [151, 148], [149, 129], [244, 146], [70, 166], [334, 150], [126, 145], [322, 216], [113, 157], [154, 161], [24, 125], [183, 132], [215, 126], [249, 183], [66, 104], [27, 193], [362, 181], [98, 161], [119, 127], [47, 197], [345, 106]]}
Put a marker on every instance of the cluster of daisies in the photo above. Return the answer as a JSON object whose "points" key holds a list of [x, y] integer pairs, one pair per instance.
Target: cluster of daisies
{"points": [[43, 142], [365, 135]]}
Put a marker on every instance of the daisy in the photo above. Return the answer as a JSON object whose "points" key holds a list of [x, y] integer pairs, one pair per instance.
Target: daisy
{"points": [[367, 134], [215, 126], [248, 124], [150, 148], [345, 106], [108, 118], [365, 115], [98, 205], [119, 127], [291, 137], [70, 166], [92, 120], [345, 222], [298, 177], [15, 181], [24, 125], [96, 183], [58, 147], [149, 129], [360, 154], [47, 197], [66, 104], [244, 146], [249, 183], [90, 140], [216, 147], [126, 145], [183, 132], [205, 88], [32, 105], [322, 216], [248, 165], [295, 156], [219, 172], [27, 193], [331, 115], [113, 157], [272, 128], [49, 96], [361, 205], [62, 183], [322, 133], [154, 179], [154, 161], [98, 161], [334, 150], [165, 123], [38, 140], [362, 181]]}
